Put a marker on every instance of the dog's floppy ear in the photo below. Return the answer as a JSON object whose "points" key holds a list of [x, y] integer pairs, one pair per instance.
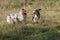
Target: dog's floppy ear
{"points": [[39, 9]]}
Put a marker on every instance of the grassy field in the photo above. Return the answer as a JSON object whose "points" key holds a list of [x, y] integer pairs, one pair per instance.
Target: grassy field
{"points": [[48, 27]]}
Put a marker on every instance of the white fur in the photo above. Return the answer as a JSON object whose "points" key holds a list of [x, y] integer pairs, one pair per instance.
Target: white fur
{"points": [[9, 20], [33, 11], [35, 19], [14, 16], [22, 17]]}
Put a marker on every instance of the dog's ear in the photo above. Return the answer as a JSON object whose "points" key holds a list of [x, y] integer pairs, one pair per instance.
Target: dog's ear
{"points": [[39, 9]]}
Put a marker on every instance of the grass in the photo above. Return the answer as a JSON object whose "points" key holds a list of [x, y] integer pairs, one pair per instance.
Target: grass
{"points": [[28, 32]]}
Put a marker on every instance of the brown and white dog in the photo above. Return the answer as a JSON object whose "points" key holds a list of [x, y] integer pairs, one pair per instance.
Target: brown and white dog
{"points": [[36, 15], [17, 17]]}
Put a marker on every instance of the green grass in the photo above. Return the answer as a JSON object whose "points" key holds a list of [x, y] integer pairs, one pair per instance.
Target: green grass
{"points": [[28, 32]]}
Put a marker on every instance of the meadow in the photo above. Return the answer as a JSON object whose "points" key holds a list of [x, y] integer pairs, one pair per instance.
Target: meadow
{"points": [[48, 27]]}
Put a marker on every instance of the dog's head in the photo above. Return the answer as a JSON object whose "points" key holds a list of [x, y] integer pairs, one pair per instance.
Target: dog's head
{"points": [[36, 10], [23, 11]]}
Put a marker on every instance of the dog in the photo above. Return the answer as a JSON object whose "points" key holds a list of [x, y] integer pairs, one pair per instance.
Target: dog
{"points": [[36, 15], [17, 17]]}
